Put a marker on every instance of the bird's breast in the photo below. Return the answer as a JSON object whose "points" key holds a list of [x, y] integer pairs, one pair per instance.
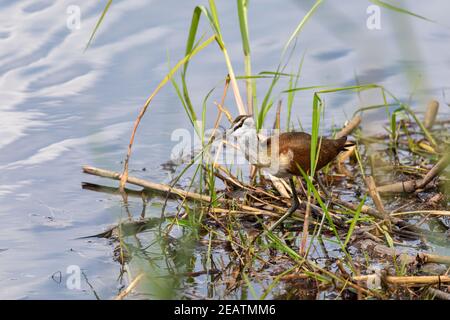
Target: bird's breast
{"points": [[280, 164]]}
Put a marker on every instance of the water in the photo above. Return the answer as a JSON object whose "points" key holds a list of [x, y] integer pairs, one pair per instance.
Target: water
{"points": [[62, 108]]}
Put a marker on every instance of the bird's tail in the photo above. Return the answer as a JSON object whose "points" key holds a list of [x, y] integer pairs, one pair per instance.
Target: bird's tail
{"points": [[343, 144]]}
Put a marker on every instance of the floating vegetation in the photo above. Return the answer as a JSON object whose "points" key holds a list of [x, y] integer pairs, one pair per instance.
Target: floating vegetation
{"points": [[372, 245]]}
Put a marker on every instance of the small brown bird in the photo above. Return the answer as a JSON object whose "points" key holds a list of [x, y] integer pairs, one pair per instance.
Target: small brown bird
{"points": [[282, 155]]}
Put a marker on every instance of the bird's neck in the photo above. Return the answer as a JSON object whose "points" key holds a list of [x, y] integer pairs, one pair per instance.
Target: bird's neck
{"points": [[250, 144]]}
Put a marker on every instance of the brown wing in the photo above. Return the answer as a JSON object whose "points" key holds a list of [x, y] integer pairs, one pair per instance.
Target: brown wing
{"points": [[299, 143]]}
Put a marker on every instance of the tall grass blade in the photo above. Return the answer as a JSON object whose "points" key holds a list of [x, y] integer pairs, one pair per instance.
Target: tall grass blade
{"points": [[213, 20], [293, 82], [250, 286], [398, 9], [190, 45], [317, 107], [243, 26], [163, 82], [301, 25], [304, 88], [354, 221], [99, 22]]}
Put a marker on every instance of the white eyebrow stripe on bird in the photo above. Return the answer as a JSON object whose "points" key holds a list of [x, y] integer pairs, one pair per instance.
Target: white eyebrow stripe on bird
{"points": [[240, 118], [239, 124]]}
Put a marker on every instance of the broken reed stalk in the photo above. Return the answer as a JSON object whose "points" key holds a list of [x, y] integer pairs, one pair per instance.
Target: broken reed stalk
{"points": [[295, 276], [130, 287], [427, 212], [349, 127], [305, 230], [431, 113], [379, 249], [372, 188], [342, 157], [124, 174], [407, 280], [345, 131], [432, 258], [238, 212], [413, 185], [166, 189], [439, 294]]}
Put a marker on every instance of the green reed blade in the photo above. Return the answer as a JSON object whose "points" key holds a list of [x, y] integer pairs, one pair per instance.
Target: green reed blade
{"points": [[354, 221], [301, 25], [293, 82], [108, 4], [243, 26], [398, 9]]}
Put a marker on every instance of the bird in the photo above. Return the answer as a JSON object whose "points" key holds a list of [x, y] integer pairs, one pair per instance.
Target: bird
{"points": [[283, 155]]}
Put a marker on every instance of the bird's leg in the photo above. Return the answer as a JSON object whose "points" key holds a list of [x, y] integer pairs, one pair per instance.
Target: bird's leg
{"points": [[321, 185], [294, 206]]}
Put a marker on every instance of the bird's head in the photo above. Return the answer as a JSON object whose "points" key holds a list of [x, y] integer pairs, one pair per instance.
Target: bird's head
{"points": [[241, 124]]}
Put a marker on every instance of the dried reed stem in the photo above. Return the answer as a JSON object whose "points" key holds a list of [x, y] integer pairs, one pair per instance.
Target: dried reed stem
{"points": [[131, 286], [408, 280], [372, 188], [439, 294], [413, 185], [431, 113], [349, 127], [166, 189]]}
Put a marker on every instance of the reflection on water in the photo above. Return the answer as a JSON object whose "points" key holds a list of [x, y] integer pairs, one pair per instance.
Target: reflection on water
{"points": [[62, 108]]}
